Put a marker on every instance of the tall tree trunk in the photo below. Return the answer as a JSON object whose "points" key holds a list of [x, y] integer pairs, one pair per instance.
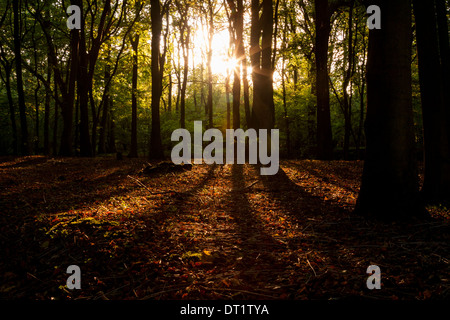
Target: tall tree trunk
{"points": [[202, 88], [362, 90], [178, 75], [248, 113], [134, 81], [170, 98], [48, 94], [239, 56], [261, 59], [105, 110], [24, 139], [12, 109], [55, 120], [84, 85], [156, 149], [444, 50], [185, 45], [227, 93], [36, 106], [283, 86], [111, 131], [209, 63], [389, 187], [436, 184], [348, 74], [323, 29]]}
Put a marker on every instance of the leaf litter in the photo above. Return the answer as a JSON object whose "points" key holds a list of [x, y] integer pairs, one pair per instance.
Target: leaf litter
{"points": [[210, 232]]}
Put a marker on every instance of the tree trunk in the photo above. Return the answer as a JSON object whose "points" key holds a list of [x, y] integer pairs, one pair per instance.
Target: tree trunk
{"points": [[239, 56], [134, 81], [47, 112], [261, 59], [437, 167], [24, 139], [323, 29], [209, 64], [55, 120], [390, 188], [111, 131], [185, 45], [105, 110], [12, 109], [227, 93], [444, 49], [348, 74], [156, 149], [248, 113]]}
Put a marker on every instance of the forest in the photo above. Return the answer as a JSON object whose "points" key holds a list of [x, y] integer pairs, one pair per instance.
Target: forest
{"points": [[91, 92]]}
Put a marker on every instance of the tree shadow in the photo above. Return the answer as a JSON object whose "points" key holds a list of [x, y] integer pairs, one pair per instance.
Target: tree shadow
{"points": [[336, 175], [347, 244], [254, 258], [24, 162]]}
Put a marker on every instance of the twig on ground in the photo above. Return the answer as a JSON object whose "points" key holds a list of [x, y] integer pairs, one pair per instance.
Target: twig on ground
{"points": [[149, 190]]}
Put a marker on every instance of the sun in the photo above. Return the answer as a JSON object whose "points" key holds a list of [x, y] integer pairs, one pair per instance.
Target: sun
{"points": [[221, 62]]}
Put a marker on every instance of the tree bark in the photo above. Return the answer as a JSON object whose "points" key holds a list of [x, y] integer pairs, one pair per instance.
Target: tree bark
{"points": [[48, 94], [156, 149], [323, 29], [134, 81], [12, 110], [24, 139], [209, 64], [185, 44], [437, 167], [389, 188], [261, 59], [105, 110]]}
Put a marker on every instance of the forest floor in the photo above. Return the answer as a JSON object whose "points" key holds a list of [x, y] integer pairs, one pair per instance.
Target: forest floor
{"points": [[214, 232]]}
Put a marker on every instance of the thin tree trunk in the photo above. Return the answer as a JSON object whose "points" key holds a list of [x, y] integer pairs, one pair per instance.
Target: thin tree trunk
{"points": [[55, 120], [248, 113], [185, 45], [47, 112], [347, 106], [156, 149], [227, 92], [105, 111], [12, 109], [111, 131], [134, 81], [24, 139], [323, 29], [209, 64]]}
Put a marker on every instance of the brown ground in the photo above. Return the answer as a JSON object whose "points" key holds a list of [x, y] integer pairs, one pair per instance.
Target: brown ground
{"points": [[215, 232]]}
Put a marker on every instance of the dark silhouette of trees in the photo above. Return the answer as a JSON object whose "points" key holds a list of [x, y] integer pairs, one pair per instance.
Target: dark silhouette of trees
{"points": [[390, 186]]}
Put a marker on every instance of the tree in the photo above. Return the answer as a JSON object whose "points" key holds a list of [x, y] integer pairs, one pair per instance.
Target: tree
{"points": [[185, 33], [24, 139], [389, 187], [156, 149], [261, 36], [237, 22], [7, 62], [323, 29], [435, 123], [134, 40]]}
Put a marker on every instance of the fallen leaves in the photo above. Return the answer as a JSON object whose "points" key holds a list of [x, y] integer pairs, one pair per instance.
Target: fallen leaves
{"points": [[212, 232]]}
